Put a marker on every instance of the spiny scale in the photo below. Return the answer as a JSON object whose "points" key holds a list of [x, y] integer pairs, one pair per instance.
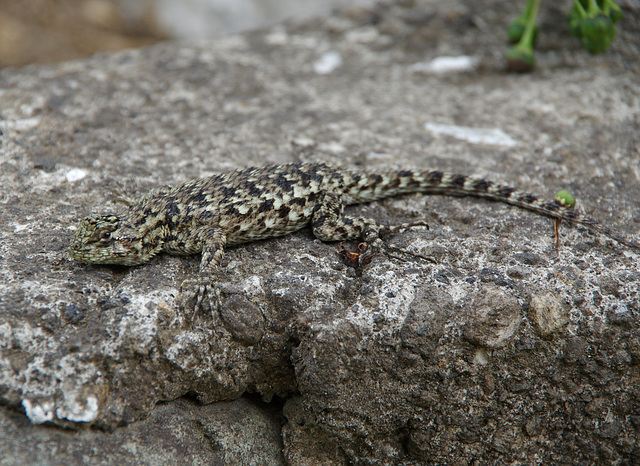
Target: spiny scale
{"points": [[207, 214]]}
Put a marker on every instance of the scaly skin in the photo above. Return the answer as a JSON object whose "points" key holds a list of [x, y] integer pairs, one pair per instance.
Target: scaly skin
{"points": [[207, 214]]}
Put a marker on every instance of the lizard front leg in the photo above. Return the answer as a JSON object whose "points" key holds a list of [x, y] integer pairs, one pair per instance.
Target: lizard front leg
{"points": [[204, 292]]}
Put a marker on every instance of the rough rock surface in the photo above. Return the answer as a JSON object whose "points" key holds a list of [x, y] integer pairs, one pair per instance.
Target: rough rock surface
{"points": [[475, 340], [180, 432]]}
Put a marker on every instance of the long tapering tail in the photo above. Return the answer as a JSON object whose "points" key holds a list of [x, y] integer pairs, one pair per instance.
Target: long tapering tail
{"points": [[373, 186]]}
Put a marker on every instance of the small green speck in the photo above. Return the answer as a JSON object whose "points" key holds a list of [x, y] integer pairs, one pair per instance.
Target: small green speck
{"points": [[566, 199]]}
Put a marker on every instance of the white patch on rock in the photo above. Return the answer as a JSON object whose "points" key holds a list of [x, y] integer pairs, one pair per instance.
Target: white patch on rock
{"points": [[76, 410], [490, 136], [328, 63], [75, 174], [443, 65], [23, 124], [38, 413]]}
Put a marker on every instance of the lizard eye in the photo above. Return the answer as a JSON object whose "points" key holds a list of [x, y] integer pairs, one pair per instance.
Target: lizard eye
{"points": [[105, 235]]}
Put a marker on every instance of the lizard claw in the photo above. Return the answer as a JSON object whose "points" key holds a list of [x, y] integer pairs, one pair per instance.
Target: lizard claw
{"points": [[406, 226], [199, 295]]}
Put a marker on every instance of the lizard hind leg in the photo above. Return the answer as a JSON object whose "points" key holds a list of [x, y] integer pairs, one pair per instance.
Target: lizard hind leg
{"points": [[330, 224]]}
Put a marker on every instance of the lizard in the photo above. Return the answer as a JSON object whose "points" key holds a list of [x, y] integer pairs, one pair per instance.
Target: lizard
{"points": [[205, 215]]}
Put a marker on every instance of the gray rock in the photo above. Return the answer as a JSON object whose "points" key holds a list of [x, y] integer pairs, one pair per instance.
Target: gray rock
{"points": [[493, 319], [410, 360], [548, 314], [180, 432]]}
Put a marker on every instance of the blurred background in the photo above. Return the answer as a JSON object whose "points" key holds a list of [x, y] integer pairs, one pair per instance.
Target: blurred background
{"points": [[46, 31]]}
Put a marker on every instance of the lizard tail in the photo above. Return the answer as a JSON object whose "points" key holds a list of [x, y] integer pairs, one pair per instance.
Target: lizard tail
{"points": [[374, 186]]}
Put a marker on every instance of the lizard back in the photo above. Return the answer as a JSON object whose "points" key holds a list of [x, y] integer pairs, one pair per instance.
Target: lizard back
{"points": [[250, 204]]}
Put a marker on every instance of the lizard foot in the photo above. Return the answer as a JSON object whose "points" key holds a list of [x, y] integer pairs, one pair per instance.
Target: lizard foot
{"points": [[200, 294], [357, 260], [373, 243]]}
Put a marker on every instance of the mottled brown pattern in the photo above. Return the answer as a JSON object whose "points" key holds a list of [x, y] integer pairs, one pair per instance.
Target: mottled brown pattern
{"points": [[207, 214]]}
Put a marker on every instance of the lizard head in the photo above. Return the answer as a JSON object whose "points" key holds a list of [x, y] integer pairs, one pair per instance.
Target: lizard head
{"points": [[107, 239]]}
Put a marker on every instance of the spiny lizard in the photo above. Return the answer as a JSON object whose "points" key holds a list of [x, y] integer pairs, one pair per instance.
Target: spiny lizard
{"points": [[208, 214]]}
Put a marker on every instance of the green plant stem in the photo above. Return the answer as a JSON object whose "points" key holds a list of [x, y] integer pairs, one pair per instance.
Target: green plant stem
{"points": [[527, 36], [594, 9], [527, 9], [579, 8]]}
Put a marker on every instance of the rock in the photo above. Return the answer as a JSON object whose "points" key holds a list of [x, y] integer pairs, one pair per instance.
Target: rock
{"points": [[429, 354], [549, 314], [493, 319], [181, 432]]}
